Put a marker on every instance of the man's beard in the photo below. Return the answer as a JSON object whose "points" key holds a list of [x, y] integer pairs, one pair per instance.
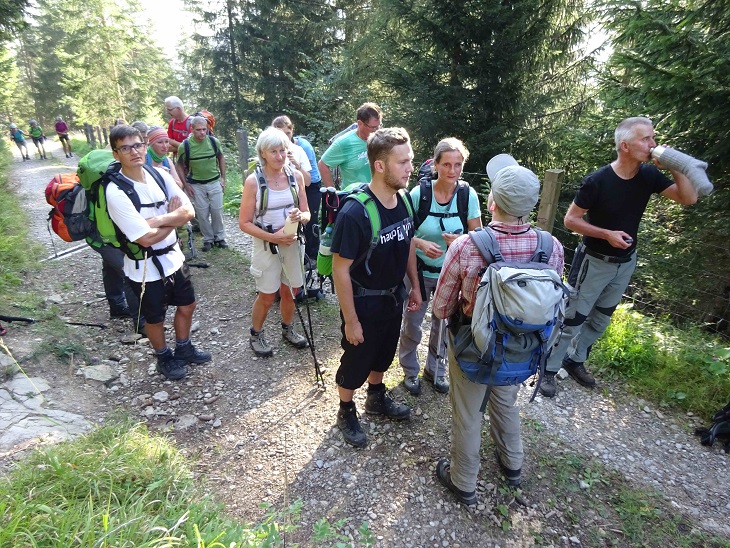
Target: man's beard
{"points": [[392, 181]]}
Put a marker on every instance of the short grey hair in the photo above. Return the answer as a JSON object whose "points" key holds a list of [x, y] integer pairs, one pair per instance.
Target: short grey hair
{"points": [[625, 130], [172, 101], [141, 126], [198, 121], [271, 137]]}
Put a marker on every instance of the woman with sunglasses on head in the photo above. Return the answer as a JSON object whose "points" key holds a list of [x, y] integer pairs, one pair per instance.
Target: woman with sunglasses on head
{"points": [[446, 208]]}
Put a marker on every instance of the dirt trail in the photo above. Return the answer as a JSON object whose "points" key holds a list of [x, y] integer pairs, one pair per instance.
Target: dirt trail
{"points": [[262, 431]]}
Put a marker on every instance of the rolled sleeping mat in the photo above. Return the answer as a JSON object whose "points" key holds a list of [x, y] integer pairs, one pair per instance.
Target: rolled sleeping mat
{"points": [[690, 167]]}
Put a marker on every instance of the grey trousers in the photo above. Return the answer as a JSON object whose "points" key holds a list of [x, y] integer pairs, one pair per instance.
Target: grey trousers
{"points": [[466, 426], [598, 288], [411, 333], [208, 204]]}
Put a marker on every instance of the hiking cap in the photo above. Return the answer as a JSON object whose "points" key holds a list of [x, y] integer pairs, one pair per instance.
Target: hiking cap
{"points": [[500, 161], [58, 118], [13, 126], [155, 133], [515, 189]]}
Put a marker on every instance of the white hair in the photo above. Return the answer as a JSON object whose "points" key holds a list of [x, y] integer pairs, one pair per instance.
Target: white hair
{"points": [[270, 138]]}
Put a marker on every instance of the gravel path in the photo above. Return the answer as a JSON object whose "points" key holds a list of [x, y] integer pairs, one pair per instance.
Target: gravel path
{"points": [[262, 431]]}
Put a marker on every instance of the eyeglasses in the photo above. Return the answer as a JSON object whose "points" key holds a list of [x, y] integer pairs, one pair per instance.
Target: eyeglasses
{"points": [[127, 149], [374, 128], [170, 109]]}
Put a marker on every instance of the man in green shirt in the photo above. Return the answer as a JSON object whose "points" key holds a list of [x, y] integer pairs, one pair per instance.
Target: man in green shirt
{"points": [[36, 133], [349, 152], [200, 163]]}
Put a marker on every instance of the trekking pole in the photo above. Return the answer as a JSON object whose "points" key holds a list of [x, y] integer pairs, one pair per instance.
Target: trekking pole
{"points": [[440, 356], [308, 334]]}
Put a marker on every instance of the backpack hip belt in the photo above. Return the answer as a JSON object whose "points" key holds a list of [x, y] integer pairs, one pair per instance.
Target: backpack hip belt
{"points": [[360, 291], [205, 181]]}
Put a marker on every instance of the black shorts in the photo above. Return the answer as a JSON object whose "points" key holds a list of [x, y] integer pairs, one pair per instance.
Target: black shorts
{"points": [[175, 290], [63, 137], [380, 318], [37, 140]]}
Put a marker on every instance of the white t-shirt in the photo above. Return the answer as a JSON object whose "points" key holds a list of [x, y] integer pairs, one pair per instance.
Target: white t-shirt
{"points": [[133, 224], [300, 156]]}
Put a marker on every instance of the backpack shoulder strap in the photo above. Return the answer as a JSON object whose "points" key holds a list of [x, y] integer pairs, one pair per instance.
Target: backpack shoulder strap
{"points": [[487, 244], [544, 248], [424, 203], [462, 202], [214, 145], [292, 184], [157, 176], [263, 190], [407, 201]]}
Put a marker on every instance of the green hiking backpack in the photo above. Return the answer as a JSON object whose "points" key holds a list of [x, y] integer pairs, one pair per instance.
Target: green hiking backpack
{"points": [[96, 170]]}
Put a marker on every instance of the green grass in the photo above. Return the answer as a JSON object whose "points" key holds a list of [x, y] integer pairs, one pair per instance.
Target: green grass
{"points": [[80, 147], [121, 486], [18, 255], [686, 368]]}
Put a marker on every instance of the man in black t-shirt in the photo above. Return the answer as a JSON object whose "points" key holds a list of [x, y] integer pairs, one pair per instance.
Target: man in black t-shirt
{"points": [[607, 210], [369, 282]]}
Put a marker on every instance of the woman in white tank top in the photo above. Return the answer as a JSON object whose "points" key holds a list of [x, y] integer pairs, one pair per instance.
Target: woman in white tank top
{"points": [[276, 257]]}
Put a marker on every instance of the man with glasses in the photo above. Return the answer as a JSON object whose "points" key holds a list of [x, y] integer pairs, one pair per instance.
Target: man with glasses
{"points": [[349, 152], [162, 278], [179, 127]]}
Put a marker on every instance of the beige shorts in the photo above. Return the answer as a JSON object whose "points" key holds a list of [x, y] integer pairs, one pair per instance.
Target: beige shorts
{"points": [[267, 270]]}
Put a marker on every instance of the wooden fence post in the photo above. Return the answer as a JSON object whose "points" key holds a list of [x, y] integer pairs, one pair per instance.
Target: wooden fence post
{"points": [[106, 140], [98, 132], [242, 141], [549, 198], [86, 132]]}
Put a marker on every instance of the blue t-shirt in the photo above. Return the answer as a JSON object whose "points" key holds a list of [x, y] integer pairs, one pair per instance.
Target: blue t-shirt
{"points": [[309, 150], [431, 229]]}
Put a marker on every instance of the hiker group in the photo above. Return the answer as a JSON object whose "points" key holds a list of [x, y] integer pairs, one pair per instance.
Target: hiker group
{"points": [[501, 313]]}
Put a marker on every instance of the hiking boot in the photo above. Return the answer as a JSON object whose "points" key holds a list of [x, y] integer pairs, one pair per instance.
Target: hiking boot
{"points": [[443, 473], [349, 425], [440, 384], [579, 373], [190, 354], [118, 313], [27, 157], [172, 368], [45, 157], [292, 337], [207, 246], [221, 243], [514, 477], [412, 384], [259, 345], [549, 385], [380, 403]]}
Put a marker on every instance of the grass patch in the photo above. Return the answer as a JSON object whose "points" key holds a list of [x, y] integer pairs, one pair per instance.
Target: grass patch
{"points": [[17, 254], [685, 368], [80, 147], [121, 486]]}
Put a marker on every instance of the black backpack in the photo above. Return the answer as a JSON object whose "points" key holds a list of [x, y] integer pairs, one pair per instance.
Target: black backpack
{"points": [[424, 205], [719, 429]]}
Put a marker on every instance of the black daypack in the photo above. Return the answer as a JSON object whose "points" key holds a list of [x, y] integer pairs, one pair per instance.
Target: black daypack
{"points": [[718, 430], [424, 205]]}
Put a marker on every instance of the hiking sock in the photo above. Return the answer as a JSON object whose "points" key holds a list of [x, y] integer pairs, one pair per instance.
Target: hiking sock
{"points": [[164, 352], [347, 405], [372, 388], [182, 343], [253, 331]]}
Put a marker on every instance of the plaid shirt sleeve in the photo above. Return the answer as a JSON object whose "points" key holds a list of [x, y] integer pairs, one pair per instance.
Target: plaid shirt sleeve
{"points": [[463, 265]]}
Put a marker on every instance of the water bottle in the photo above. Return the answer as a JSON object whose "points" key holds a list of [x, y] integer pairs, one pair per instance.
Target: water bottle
{"points": [[325, 242], [290, 227]]}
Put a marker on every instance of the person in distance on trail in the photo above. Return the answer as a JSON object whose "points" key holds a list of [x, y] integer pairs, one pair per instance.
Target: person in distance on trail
{"points": [[36, 133], [606, 211], [62, 132], [158, 145], [276, 261], [164, 276], [178, 129], [296, 155], [202, 167], [349, 152], [315, 182], [515, 192], [369, 281], [434, 233], [18, 137]]}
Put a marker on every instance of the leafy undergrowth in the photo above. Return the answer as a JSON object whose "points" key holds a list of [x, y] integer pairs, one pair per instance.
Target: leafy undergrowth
{"points": [[687, 368]]}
